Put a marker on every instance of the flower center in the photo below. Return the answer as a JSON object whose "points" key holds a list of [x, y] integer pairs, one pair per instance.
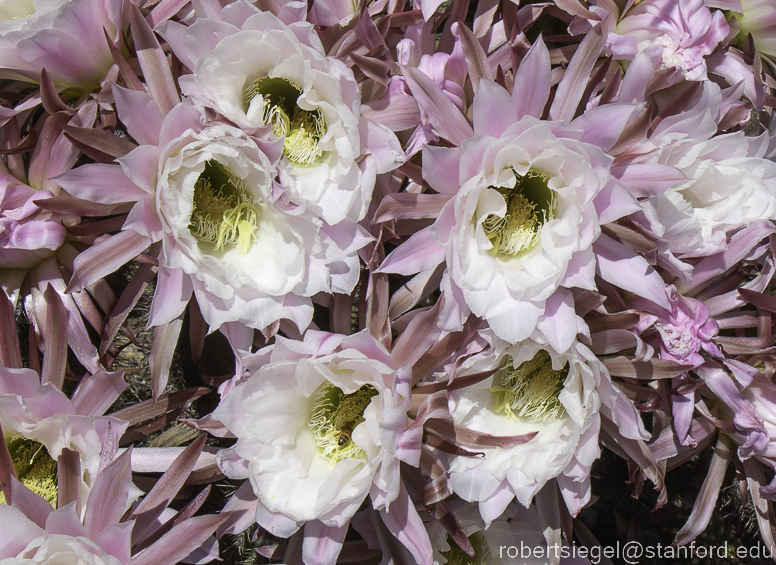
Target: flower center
{"points": [[303, 129], [456, 556], [223, 212], [531, 390], [530, 205], [670, 56], [15, 9], [34, 468], [679, 341], [334, 416]]}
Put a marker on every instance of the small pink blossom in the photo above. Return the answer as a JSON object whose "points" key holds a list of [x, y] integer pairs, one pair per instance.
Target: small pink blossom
{"points": [[676, 34], [30, 239], [684, 331]]}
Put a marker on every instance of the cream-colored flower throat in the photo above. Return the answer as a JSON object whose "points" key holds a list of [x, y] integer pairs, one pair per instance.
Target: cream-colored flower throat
{"points": [[530, 205], [334, 416], [223, 212], [531, 390], [303, 129], [16, 9], [34, 468], [457, 556]]}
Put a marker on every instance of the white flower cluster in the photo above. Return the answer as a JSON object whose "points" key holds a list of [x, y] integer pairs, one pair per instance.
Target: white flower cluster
{"points": [[450, 263]]}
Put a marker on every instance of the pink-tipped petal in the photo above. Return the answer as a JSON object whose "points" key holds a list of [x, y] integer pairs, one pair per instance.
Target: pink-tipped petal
{"points": [[533, 81]]}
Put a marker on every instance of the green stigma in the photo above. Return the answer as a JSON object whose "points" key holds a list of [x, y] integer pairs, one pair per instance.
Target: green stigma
{"points": [[303, 129], [334, 417], [530, 205], [531, 390], [457, 556], [223, 212], [34, 468]]}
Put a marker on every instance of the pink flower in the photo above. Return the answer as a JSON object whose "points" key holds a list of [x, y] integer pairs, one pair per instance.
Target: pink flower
{"points": [[209, 193], [684, 331], [30, 233], [759, 19], [52, 548], [518, 529], [43, 413], [448, 71], [65, 37], [522, 198], [675, 34], [268, 78], [30, 239], [519, 228], [332, 12], [317, 428], [725, 182], [761, 395], [104, 532], [558, 397]]}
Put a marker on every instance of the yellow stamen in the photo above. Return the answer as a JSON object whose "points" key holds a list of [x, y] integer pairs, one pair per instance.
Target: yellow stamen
{"points": [[334, 417], [530, 205], [303, 129], [34, 468], [531, 390], [226, 215], [16, 10]]}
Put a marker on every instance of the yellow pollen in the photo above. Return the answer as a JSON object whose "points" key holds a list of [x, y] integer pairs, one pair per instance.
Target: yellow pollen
{"points": [[225, 215], [456, 556], [16, 10], [531, 390], [334, 417], [530, 205], [34, 468], [303, 129]]}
